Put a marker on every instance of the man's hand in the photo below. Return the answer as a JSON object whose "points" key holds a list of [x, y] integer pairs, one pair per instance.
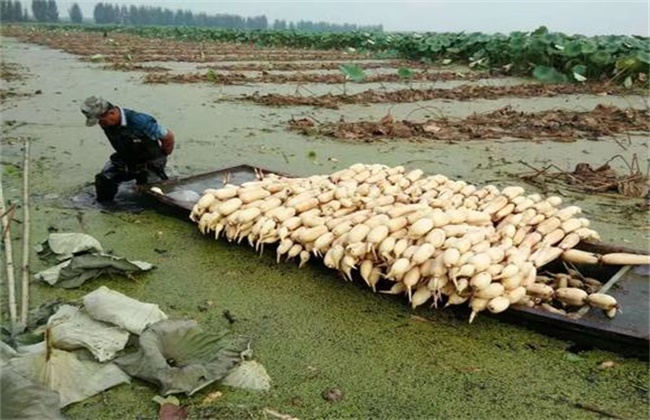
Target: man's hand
{"points": [[167, 143]]}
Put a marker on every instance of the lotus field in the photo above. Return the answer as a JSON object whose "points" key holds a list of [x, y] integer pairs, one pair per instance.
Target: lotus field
{"points": [[408, 183]]}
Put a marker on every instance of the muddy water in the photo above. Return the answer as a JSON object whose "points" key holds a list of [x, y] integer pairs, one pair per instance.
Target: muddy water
{"points": [[311, 329]]}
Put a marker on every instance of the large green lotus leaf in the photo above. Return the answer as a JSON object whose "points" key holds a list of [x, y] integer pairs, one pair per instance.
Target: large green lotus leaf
{"points": [[74, 379], [180, 357], [588, 47], [579, 71], [601, 57], [643, 56], [573, 49], [405, 73], [548, 75], [542, 30], [626, 63], [25, 399], [353, 72]]}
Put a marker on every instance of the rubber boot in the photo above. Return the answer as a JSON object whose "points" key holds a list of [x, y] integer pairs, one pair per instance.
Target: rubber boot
{"points": [[105, 188]]}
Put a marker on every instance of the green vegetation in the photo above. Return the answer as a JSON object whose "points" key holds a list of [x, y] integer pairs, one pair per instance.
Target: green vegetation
{"points": [[548, 56]]}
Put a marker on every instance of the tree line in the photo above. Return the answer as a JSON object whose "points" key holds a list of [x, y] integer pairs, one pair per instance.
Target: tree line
{"points": [[12, 11], [107, 13], [42, 11]]}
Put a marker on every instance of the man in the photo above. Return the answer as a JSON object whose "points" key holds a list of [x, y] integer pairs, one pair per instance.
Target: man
{"points": [[141, 146]]}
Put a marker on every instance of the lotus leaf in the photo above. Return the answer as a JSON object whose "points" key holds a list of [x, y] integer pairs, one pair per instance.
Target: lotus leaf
{"points": [[62, 371], [25, 399], [110, 306], [72, 328], [249, 375], [179, 357], [64, 245], [353, 72], [81, 268]]}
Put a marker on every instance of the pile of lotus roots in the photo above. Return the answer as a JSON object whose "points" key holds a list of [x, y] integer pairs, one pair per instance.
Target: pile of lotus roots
{"points": [[429, 238]]}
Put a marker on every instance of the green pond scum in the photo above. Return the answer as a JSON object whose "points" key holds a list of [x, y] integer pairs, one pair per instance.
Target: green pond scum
{"points": [[314, 331]]}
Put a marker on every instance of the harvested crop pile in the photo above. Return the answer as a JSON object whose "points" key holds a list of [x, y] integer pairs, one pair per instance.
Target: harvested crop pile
{"points": [[430, 238], [557, 124], [461, 93]]}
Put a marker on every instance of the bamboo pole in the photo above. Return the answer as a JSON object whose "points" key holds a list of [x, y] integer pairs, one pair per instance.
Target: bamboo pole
{"points": [[11, 284], [24, 305]]}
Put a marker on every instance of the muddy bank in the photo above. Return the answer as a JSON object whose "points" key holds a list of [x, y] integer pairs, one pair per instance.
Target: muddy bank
{"points": [[311, 330], [557, 125], [465, 92], [265, 77]]}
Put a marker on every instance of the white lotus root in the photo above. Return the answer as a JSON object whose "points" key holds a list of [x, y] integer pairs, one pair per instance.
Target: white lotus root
{"points": [[430, 238]]}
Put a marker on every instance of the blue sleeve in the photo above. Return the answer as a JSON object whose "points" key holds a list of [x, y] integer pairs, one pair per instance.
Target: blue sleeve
{"points": [[148, 126]]}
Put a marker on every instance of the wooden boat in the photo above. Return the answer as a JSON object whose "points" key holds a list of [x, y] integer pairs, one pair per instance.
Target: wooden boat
{"points": [[628, 333]]}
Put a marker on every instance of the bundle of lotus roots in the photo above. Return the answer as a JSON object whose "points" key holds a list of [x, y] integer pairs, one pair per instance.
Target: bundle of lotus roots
{"points": [[427, 237]]}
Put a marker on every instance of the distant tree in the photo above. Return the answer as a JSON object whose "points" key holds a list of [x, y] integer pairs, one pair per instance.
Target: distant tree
{"points": [[11, 11], [279, 25], [75, 14], [39, 10], [257, 22], [6, 11], [123, 15], [98, 12], [17, 11], [106, 13], [52, 11], [45, 10]]}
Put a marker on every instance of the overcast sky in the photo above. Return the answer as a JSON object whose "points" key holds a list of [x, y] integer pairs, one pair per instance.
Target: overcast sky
{"points": [[587, 17]]}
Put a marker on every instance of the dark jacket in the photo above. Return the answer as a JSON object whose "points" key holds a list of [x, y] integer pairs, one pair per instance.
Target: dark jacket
{"points": [[135, 139]]}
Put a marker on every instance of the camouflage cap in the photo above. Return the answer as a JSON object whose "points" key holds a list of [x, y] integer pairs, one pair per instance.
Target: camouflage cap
{"points": [[93, 108]]}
